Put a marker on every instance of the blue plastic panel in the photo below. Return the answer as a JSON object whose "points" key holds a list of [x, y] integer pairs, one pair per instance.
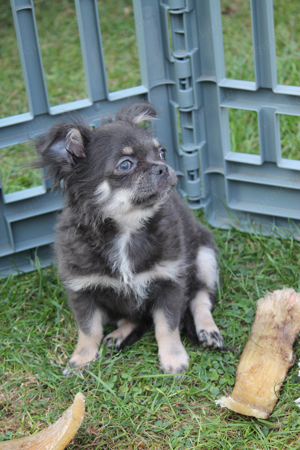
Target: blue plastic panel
{"points": [[183, 75]]}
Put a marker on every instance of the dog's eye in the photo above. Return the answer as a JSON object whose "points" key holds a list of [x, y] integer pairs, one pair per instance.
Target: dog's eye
{"points": [[162, 153], [125, 165]]}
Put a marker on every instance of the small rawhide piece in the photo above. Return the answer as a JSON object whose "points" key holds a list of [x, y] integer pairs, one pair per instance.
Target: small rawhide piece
{"points": [[267, 356], [57, 436]]}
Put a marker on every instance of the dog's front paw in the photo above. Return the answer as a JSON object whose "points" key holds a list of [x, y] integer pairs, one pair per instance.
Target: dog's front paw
{"points": [[79, 362], [174, 359], [72, 367], [211, 339]]}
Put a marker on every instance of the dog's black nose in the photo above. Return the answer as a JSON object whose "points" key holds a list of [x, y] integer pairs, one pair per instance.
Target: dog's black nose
{"points": [[160, 169]]}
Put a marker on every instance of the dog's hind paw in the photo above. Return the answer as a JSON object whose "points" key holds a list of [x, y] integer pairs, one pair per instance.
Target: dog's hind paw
{"points": [[211, 339], [115, 340], [113, 344]]}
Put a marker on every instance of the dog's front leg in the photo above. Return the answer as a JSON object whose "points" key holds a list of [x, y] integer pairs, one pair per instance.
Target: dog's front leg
{"points": [[89, 319], [171, 353]]}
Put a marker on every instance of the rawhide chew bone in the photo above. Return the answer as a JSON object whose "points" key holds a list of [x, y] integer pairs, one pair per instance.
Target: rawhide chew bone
{"points": [[57, 436], [267, 355]]}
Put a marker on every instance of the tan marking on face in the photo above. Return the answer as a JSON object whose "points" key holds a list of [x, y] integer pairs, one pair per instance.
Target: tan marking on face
{"points": [[171, 352], [127, 151], [156, 143], [88, 344]]}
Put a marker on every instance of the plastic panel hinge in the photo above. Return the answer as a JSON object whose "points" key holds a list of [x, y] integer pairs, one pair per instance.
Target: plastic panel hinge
{"points": [[190, 170]]}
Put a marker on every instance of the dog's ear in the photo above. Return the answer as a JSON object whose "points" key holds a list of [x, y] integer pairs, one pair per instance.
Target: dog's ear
{"points": [[137, 112], [62, 149]]}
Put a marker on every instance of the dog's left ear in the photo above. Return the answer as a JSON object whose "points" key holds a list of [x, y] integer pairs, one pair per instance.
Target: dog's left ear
{"points": [[62, 149], [137, 112], [64, 142]]}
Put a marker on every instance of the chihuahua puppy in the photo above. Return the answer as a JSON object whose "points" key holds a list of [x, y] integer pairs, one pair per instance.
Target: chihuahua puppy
{"points": [[128, 250]]}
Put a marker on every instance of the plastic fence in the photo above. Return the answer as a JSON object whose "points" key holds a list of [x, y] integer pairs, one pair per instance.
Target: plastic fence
{"points": [[181, 54]]}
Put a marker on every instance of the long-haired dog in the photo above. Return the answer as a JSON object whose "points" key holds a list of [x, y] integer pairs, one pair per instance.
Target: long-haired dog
{"points": [[127, 248]]}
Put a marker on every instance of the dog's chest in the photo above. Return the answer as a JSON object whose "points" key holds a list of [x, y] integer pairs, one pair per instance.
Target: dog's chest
{"points": [[128, 270], [119, 260]]}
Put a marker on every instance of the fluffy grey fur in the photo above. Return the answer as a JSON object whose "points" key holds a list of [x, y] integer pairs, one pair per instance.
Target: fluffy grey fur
{"points": [[127, 248]]}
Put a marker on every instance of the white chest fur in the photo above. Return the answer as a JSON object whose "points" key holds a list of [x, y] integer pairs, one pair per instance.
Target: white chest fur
{"points": [[119, 258], [129, 283], [124, 278]]}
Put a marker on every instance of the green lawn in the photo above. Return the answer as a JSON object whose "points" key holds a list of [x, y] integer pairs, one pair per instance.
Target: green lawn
{"points": [[130, 404]]}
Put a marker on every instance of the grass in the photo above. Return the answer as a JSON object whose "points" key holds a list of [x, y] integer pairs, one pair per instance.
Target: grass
{"points": [[129, 402], [15, 175]]}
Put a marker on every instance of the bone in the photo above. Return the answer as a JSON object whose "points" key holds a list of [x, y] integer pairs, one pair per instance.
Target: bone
{"points": [[267, 355]]}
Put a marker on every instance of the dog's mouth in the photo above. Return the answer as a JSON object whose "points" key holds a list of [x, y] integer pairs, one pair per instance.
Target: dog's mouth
{"points": [[146, 201]]}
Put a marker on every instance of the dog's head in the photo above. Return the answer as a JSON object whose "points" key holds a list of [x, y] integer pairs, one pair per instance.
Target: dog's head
{"points": [[118, 168]]}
